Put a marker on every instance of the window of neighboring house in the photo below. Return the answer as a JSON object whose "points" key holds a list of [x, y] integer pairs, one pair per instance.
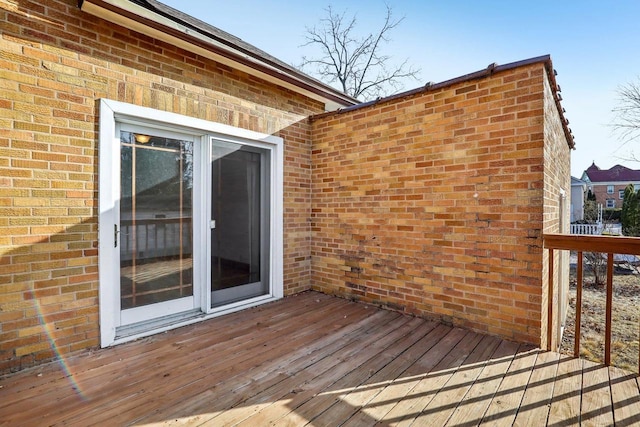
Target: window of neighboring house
{"points": [[620, 194], [611, 203], [609, 189]]}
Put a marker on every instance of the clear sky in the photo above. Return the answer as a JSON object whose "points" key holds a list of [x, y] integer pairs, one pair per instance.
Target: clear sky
{"points": [[593, 45]]}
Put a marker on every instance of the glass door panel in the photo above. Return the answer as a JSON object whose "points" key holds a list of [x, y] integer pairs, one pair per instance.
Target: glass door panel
{"points": [[239, 216], [156, 229]]}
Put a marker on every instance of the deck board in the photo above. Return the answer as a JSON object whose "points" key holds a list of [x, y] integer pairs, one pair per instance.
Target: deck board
{"points": [[242, 372], [323, 361], [504, 406], [474, 404], [537, 397], [625, 397], [239, 370], [448, 398], [565, 403], [387, 392], [596, 407], [392, 361], [348, 395], [328, 372], [425, 390]]}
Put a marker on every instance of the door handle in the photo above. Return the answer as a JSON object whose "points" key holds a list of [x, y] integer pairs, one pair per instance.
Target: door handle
{"points": [[115, 235]]}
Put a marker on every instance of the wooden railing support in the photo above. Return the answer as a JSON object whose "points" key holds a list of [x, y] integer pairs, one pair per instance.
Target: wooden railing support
{"points": [[582, 243], [607, 326], [576, 344], [550, 303]]}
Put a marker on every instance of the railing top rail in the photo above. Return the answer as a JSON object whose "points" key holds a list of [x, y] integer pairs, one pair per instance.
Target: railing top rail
{"points": [[587, 243]]}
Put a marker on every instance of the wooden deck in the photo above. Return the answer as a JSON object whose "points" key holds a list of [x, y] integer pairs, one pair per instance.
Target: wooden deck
{"points": [[324, 361]]}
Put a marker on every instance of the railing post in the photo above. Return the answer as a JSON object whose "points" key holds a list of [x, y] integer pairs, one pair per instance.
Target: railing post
{"points": [[607, 338], [550, 302], [576, 344]]}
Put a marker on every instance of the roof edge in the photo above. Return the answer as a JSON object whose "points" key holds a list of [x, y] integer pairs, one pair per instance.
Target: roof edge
{"points": [[490, 70], [611, 175], [173, 29]]}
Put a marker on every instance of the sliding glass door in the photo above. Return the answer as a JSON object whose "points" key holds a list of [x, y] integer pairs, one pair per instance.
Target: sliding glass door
{"points": [[190, 222], [156, 226], [239, 222], [157, 245]]}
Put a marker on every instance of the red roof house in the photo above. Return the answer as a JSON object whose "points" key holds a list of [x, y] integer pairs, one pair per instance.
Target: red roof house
{"points": [[608, 184]]}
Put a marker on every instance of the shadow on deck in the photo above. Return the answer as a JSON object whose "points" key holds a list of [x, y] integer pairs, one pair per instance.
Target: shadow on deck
{"points": [[321, 360]]}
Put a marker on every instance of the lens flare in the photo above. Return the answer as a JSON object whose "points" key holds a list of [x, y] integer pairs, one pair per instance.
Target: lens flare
{"points": [[49, 329]]}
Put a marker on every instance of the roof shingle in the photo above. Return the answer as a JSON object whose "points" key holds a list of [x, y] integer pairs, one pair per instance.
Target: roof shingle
{"points": [[616, 173]]}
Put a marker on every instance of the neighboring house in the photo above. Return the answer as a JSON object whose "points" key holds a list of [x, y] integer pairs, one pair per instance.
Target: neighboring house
{"points": [[608, 185], [578, 195], [156, 171]]}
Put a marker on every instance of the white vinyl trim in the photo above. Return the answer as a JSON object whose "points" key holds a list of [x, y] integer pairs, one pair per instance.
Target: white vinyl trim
{"points": [[108, 208], [614, 183], [155, 311]]}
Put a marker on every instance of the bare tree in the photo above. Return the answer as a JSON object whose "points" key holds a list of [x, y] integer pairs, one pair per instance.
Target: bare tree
{"points": [[597, 263], [356, 64], [627, 112]]}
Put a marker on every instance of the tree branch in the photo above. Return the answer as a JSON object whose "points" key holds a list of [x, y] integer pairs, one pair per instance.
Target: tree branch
{"points": [[627, 121], [352, 61]]}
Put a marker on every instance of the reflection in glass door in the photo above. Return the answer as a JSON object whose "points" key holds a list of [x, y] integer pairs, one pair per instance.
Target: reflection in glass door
{"points": [[239, 214], [156, 244]]}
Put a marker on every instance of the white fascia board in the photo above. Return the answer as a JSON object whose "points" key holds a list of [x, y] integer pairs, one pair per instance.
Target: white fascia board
{"points": [[96, 10], [615, 183]]}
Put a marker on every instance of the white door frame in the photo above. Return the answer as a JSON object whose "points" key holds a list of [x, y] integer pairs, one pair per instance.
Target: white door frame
{"points": [[114, 112]]}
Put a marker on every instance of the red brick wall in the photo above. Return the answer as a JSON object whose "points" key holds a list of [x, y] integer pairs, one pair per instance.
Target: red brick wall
{"points": [[55, 63], [557, 208], [600, 191], [433, 204]]}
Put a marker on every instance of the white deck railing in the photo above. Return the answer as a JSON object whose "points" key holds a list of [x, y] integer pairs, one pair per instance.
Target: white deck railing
{"points": [[155, 238], [587, 229]]}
